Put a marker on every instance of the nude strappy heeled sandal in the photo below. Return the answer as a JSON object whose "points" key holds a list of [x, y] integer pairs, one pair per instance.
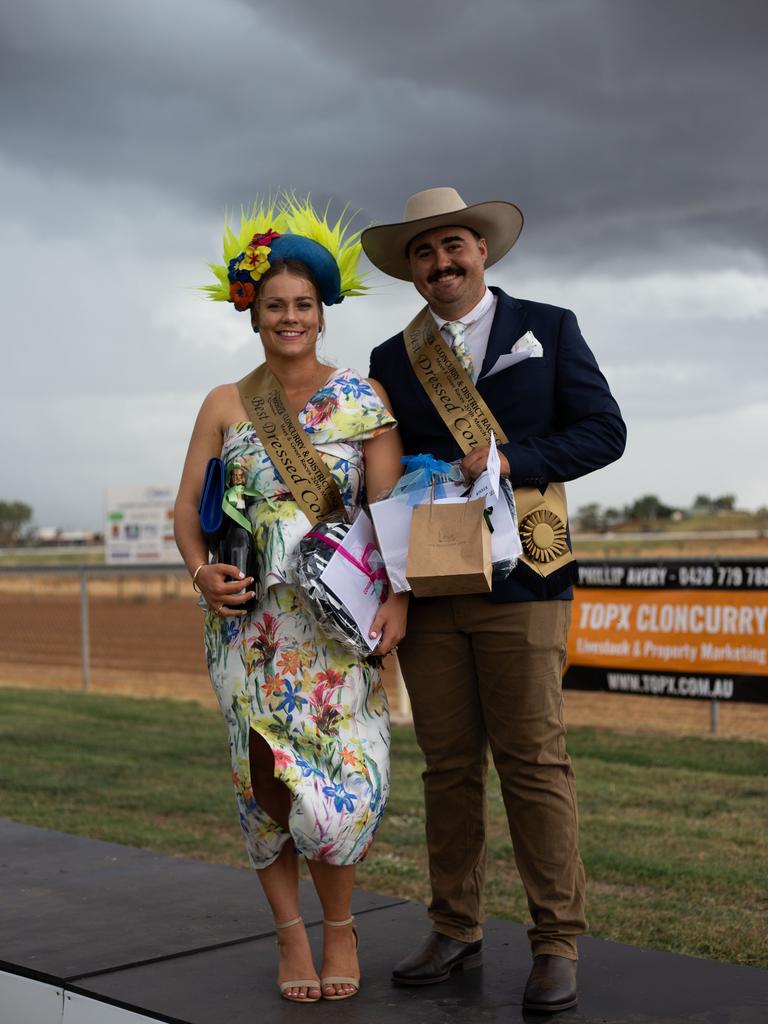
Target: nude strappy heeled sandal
{"points": [[306, 983], [338, 980]]}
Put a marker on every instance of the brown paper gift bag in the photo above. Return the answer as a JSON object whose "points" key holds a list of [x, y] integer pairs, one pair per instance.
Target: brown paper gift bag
{"points": [[449, 549]]}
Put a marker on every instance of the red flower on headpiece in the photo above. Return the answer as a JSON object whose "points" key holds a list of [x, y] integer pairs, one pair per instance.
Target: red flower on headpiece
{"points": [[266, 239], [242, 293]]}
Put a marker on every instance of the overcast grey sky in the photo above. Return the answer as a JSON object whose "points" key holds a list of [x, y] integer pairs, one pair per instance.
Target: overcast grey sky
{"points": [[632, 134]]}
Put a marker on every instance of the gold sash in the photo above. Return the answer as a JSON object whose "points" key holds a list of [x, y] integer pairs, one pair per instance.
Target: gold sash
{"points": [[542, 518], [302, 470], [450, 390]]}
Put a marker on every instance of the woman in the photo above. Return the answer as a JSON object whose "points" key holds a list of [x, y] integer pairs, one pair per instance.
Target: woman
{"points": [[307, 718]]}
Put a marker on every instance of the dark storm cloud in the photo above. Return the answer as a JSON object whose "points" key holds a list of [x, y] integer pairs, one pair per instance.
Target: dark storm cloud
{"points": [[624, 130], [631, 132], [622, 114]]}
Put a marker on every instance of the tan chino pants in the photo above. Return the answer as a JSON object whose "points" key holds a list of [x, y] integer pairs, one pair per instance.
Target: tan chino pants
{"points": [[478, 675]]}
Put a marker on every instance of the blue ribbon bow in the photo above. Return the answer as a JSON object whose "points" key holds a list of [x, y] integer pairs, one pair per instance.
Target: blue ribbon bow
{"points": [[421, 472]]}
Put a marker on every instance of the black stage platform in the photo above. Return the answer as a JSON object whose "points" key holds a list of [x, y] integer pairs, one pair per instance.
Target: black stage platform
{"points": [[183, 941]]}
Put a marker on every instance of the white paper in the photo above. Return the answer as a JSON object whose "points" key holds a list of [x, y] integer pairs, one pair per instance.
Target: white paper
{"points": [[483, 488], [505, 540], [493, 465], [392, 518], [349, 583]]}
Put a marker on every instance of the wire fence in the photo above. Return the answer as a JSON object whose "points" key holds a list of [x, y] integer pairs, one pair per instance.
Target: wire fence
{"points": [[138, 630], [132, 630]]}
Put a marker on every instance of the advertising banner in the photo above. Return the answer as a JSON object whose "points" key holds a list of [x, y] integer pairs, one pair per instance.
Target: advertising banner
{"points": [[694, 628], [139, 526]]}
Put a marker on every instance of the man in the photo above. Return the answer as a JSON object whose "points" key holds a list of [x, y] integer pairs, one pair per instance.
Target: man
{"points": [[486, 670]]}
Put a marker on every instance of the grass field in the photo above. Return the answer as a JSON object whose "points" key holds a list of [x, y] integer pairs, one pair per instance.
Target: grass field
{"points": [[674, 832]]}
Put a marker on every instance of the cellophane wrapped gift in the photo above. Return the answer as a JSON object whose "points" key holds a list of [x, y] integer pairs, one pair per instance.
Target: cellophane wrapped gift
{"points": [[315, 551], [505, 539], [422, 473]]}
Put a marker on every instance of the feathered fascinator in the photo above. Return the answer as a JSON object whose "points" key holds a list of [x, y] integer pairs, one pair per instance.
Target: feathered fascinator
{"points": [[281, 229]]}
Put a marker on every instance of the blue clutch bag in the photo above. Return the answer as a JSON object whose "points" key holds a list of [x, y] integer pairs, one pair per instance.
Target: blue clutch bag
{"points": [[211, 498]]}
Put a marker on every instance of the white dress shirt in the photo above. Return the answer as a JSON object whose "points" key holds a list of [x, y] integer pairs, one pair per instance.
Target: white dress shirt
{"points": [[478, 321]]}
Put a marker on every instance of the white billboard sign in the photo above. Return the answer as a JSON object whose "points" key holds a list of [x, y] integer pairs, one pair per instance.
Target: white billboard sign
{"points": [[139, 526]]}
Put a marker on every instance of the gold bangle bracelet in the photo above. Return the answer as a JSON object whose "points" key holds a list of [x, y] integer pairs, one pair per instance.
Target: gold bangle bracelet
{"points": [[194, 577]]}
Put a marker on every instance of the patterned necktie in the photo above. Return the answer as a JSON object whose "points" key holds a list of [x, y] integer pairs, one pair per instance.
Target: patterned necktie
{"points": [[456, 330]]}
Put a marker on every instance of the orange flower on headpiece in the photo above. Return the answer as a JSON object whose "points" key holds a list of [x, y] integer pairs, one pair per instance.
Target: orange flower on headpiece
{"points": [[242, 293]]}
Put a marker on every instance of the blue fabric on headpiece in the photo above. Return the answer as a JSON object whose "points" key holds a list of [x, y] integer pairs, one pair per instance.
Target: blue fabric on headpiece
{"points": [[316, 257]]}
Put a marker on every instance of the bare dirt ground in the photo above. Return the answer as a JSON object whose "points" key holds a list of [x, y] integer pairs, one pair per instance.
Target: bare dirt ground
{"points": [[617, 546], [146, 640], [677, 717], [143, 643]]}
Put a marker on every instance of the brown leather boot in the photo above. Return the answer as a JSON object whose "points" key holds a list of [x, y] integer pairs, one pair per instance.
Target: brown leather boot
{"points": [[551, 984], [437, 959]]}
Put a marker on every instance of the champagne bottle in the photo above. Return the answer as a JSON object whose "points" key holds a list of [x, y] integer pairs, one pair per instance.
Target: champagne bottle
{"points": [[236, 547]]}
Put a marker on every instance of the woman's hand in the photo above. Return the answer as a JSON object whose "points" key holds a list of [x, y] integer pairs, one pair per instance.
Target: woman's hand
{"points": [[221, 595], [389, 623]]}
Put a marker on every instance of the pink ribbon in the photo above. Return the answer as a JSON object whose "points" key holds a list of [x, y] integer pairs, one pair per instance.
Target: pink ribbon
{"points": [[363, 565]]}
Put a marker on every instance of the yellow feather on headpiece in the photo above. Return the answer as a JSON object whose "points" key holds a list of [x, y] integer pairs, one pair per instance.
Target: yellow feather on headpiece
{"points": [[289, 215], [262, 216], [345, 248]]}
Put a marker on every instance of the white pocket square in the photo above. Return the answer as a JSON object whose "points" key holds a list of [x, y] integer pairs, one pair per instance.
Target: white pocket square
{"points": [[529, 344], [527, 347]]}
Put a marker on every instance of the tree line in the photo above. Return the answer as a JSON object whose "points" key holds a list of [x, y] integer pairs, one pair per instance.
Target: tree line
{"points": [[650, 509], [14, 518]]}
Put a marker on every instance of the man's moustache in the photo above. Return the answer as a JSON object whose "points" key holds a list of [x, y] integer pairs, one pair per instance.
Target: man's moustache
{"points": [[437, 274]]}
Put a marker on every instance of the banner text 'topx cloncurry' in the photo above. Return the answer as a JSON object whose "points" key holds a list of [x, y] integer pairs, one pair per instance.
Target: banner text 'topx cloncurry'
{"points": [[674, 628]]}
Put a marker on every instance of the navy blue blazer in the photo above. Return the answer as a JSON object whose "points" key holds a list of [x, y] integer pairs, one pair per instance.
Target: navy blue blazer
{"points": [[557, 411]]}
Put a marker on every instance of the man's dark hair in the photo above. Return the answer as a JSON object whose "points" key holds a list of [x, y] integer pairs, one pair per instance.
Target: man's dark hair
{"points": [[466, 227]]}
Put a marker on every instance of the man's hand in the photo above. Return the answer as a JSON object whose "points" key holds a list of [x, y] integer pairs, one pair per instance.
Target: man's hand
{"points": [[472, 465]]}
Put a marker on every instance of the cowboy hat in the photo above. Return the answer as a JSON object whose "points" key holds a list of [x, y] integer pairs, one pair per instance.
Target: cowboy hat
{"points": [[497, 221]]}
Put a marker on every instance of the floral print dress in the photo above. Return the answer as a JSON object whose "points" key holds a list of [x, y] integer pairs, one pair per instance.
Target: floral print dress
{"points": [[320, 708]]}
